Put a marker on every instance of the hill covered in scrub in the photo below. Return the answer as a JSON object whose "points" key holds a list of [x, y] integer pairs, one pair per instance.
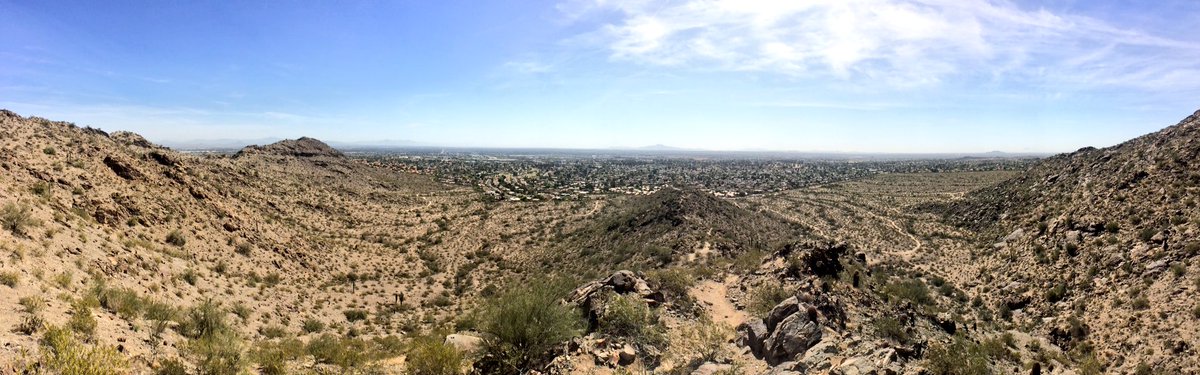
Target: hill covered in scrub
{"points": [[1097, 248], [122, 256]]}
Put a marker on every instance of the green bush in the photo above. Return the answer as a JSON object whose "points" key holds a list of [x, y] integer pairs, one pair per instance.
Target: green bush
{"points": [[430, 356], [766, 297], [217, 353], [914, 291], [124, 302], [215, 349], [628, 317], [890, 328], [204, 319], [176, 238], [355, 315], [346, 353], [82, 321], [524, 324], [33, 321], [63, 354], [16, 218], [313, 326], [960, 357]]}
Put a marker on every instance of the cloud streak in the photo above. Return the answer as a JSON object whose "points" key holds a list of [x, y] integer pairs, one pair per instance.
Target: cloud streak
{"points": [[902, 43]]}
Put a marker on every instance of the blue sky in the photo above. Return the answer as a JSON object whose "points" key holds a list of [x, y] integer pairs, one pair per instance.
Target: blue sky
{"points": [[818, 75]]}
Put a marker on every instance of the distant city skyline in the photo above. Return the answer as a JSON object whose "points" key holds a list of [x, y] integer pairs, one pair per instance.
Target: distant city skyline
{"points": [[866, 76]]}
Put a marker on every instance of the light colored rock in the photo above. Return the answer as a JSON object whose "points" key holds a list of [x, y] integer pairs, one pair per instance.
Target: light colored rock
{"points": [[465, 343]]}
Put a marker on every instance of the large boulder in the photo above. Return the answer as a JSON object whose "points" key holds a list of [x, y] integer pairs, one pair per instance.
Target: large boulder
{"points": [[794, 335], [752, 334], [465, 343]]}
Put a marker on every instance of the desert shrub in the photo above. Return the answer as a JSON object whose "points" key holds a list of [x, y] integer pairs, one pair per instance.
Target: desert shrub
{"points": [[206, 318], [217, 353], [346, 353], [313, 326], [16, 218], [747, 262], [997, 349], [960, 357], [1178, 269], [627, 316], [214, 348], [63, 354], [32, 320], [10, 279], [82, 321], [765, 297], [189, 276], [176, 238], [672, 281], [1146, 234], [702, 342], [1112, 227], [241, 310], [171, 366], [1057, 293], [124, 302], [354, 315], [273, 331], [911, 290], [522, 325], [63, 280], [890, 328], [430, 356], [1140, 303], [244, 248]]}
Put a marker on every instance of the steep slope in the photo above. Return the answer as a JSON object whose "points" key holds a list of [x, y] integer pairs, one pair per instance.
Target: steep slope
{"points": [[296, 245], [1097, 249]]}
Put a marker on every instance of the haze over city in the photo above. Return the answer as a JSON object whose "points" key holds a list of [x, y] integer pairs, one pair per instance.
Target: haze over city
{"points": [[855, 76]]}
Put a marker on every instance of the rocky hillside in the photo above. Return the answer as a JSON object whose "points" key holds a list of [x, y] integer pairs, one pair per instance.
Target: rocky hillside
{"points": [[1097, 248], [304, 147]]}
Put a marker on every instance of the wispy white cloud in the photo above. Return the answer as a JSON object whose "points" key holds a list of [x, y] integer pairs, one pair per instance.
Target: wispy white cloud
{"points": [[898, 42]]}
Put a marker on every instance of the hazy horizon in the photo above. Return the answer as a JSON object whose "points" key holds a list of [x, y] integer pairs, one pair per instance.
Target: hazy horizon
{"points": [[864, 76]]}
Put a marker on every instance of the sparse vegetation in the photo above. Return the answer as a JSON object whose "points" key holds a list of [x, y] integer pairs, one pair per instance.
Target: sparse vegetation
{"points": [[765, 297], [523, 325], [431, 356], [176, 238], [17, 218]]}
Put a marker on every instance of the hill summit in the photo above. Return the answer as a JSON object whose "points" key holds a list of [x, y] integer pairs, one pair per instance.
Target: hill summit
{"points": [[304, 147]]}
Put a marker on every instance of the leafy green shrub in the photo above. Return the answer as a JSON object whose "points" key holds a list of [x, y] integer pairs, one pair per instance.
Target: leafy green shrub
{"points": [[766, 297], [176, 238], [522, 325], [16, 218], [430, 356], [63, 354]]}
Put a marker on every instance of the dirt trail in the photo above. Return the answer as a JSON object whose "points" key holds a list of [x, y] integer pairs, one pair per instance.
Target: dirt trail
{"points": [[715, 296]]}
